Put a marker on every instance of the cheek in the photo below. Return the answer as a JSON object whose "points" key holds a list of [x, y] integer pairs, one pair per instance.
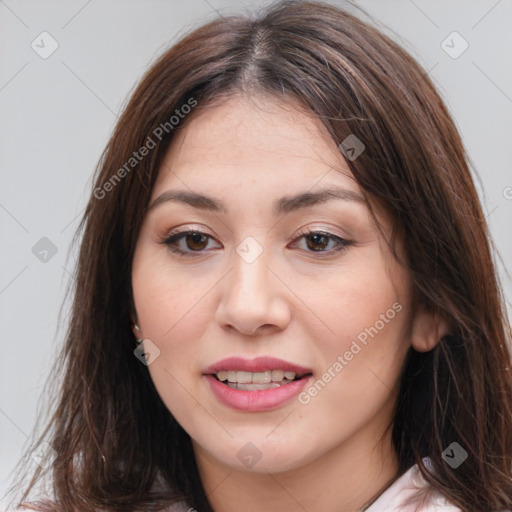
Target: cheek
{"points": [[363, 338], [166, 299], [173, 311], [354, 300], [172, 314]]}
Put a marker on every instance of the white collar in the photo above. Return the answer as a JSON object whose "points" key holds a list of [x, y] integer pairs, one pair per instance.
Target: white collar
{"points": [[407, 487]]}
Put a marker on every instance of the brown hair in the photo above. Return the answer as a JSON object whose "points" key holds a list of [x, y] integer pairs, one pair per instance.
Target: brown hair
{"points": [[114, 437]]}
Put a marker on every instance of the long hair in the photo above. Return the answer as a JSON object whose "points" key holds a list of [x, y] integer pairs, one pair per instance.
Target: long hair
{"points": [[118, 447]]}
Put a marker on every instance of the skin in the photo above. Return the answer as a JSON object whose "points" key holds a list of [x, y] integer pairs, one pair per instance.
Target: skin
{"points": [[333, 453]]}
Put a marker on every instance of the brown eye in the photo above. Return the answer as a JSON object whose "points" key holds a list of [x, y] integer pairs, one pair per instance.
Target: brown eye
{"points": [[196, 241], [317, 241]]}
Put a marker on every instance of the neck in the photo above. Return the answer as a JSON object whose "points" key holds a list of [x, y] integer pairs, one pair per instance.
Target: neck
{"points": [[344, 479]]}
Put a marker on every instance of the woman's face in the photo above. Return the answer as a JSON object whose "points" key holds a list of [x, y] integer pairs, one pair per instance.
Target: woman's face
{"points": [[258, 257]]}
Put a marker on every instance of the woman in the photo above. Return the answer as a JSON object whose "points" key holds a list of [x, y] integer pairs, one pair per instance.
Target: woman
{"points": [[285, 295]]}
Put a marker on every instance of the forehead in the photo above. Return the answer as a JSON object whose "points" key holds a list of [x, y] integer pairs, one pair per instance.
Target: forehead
{"points": [[254, 140]]}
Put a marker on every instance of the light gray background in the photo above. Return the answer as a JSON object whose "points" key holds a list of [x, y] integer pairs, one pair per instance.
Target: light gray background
{"points": [[56, 115]]}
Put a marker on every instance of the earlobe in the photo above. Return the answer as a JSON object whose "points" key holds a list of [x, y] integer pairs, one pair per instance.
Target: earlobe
{"points": [[136, 330], [428, 328]]}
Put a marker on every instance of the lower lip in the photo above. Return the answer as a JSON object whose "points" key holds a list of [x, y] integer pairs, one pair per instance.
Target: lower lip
{"points": [[254, 401]]}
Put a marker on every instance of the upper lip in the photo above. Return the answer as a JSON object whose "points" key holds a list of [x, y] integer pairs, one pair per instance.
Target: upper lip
{"points": [[258, 364]]}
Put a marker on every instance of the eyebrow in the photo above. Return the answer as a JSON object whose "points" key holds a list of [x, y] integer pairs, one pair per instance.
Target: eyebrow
{"points": [[283, 205]]}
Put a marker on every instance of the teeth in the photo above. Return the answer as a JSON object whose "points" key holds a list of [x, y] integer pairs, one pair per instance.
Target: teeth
{"points": [[257, 387], [262, 377], [277, 375], [266, 377], [254, 387], [244, 377]]}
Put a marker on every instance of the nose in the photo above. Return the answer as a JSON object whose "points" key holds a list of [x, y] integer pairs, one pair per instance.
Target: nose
{"points": [[253, 299]]}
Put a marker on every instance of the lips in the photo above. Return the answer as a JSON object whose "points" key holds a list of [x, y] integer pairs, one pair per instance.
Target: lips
{"points": [[259, 364], [257, 384]]}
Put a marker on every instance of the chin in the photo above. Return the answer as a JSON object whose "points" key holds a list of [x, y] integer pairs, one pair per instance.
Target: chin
{"points": [[256, 454]]}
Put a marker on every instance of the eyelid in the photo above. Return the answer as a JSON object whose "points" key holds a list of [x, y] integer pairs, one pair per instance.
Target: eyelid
{"points": [[185, 228], [188, 228], [308, 230]]}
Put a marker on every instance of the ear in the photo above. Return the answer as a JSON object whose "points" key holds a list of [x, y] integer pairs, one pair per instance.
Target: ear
{"points": [[428, 327]]}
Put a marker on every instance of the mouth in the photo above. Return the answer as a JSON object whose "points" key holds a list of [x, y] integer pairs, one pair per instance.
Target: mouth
{"points": [[257, 384], [257, 381]]}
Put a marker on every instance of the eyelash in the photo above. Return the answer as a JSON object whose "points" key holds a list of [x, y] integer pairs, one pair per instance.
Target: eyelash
{"points": [[172, 239]]}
